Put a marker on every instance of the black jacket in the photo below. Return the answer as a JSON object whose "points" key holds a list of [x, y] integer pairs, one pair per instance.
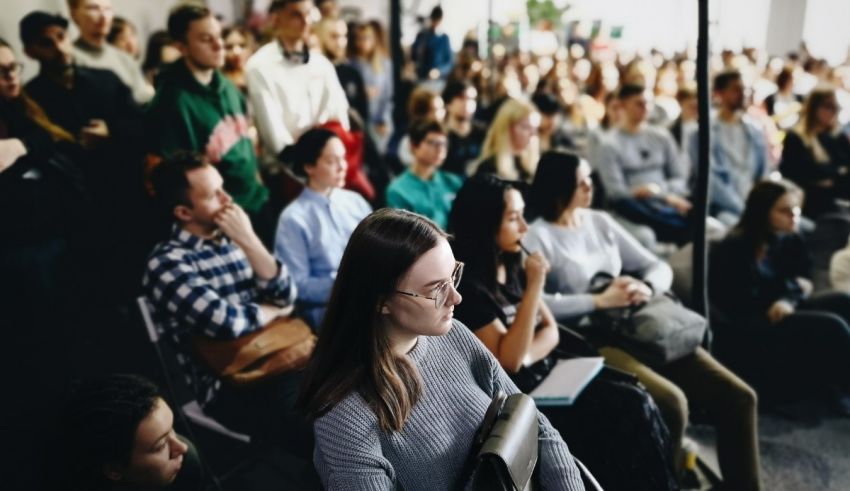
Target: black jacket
{"points": [[743, 289]]}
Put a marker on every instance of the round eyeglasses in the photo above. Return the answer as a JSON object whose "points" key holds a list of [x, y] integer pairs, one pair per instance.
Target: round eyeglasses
{"points": [[441, 291]]}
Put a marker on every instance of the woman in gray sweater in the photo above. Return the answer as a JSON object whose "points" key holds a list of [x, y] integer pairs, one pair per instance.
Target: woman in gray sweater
{"points": [[396, 386], [578, 243]]}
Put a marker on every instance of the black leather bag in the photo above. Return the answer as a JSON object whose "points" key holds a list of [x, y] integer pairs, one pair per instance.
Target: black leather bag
{"points": [[658, 332], [504, 453]]}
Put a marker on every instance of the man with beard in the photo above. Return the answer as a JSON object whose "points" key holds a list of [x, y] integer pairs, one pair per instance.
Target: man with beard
{"points": [[196, 108], [100, 125], [738, 150]]}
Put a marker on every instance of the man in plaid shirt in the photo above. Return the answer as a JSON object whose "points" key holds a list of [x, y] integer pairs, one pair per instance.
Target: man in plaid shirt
{"points": [[214, 277]]}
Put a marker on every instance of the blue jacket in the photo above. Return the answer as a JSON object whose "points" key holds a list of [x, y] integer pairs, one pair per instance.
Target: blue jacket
{"points": [[724, 193], [432, 50]]}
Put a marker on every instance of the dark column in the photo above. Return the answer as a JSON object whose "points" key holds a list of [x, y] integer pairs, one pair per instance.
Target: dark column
{"points": [[700, 196]]}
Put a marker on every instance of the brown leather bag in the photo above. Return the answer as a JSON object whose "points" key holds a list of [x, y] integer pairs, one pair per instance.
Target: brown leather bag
{"points": [[283, 345]]}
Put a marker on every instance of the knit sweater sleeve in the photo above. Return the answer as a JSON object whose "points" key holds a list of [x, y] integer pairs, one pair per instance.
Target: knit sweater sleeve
{"points": [[348, 451]]}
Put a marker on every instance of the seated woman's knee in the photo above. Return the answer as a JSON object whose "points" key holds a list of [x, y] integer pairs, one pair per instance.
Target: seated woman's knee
{"points": [[673, 404]]}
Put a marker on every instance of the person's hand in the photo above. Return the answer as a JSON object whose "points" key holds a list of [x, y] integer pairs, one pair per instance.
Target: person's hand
{"points": [[681, 205], [234, 223], [434, 74], [269, 312], [11, 149], [646, 191], [615, 296], [806, 286], [536, 267], [639, 292], [779, 310], [94, 133]]}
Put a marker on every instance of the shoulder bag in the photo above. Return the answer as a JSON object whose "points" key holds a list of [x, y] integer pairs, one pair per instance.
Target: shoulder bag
{"points": [[283, 345], [658, 332]]}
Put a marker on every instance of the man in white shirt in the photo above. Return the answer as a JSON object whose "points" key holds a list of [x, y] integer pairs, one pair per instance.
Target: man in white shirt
{"points": [[94, 20], [291, 88]]}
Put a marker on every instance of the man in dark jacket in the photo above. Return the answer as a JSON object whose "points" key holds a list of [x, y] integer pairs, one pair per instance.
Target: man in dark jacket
{"points": [[431, 50], [92, 105], [102, 125]]}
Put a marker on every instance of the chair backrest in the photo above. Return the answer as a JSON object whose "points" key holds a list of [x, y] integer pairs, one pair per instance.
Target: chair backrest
{"points": [[147, 317], [590, 482], [190, 408]]}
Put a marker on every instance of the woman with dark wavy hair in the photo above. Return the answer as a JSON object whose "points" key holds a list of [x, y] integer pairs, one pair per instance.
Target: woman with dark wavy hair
{"points": [[507, 313], [580, 243], [396, 386]]}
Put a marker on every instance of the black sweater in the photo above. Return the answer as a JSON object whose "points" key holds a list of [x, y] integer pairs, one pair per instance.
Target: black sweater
{"points": [[743, 289]]}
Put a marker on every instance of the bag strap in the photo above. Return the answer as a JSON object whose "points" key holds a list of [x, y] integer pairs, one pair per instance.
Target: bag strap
{"points": [[490, 418]]}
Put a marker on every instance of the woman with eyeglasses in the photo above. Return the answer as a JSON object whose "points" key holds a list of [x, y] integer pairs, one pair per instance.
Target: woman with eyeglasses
{"points": [[760, 289], [397, 387], [313, 230], [424, 188], [507, 313], [42, 214], [816, 155], [580, 243]]}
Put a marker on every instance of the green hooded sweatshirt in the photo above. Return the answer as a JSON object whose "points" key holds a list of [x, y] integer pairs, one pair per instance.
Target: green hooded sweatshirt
{"points": [[211, 120]]}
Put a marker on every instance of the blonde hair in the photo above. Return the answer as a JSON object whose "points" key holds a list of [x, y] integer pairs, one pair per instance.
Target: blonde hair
{"points": [[379, 53], [806, 127], [39, 117], [497, 144]]}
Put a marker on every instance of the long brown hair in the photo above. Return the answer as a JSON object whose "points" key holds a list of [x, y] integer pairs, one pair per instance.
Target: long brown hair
{"points": [[754, 225], [817, 98], [353, 352], [378, 54], [36, 113]]}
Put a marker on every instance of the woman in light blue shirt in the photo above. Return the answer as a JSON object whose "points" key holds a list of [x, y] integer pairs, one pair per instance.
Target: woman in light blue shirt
{"points": [[314, 229]]}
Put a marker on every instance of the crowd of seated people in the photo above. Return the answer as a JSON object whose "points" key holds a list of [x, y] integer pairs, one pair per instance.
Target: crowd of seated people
{"points": [[230, 179]]}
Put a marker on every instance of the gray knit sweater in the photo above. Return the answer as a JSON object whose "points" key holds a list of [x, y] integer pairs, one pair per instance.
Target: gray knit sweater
{"points": [[459, 379]]}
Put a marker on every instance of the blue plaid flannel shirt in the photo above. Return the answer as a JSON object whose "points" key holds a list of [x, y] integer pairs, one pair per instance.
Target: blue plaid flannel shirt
{"points": [[204, 286]]}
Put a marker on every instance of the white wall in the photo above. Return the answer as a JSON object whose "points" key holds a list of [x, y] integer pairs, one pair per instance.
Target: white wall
{"points": [[826, 29], [147, 15], [670, 25]]}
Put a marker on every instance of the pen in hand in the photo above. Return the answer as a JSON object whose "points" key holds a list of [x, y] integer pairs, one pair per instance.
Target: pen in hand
{"points": [[519, 242]]}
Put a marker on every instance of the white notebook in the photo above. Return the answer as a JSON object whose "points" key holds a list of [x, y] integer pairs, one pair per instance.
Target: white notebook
{"points": [[566, 381]]}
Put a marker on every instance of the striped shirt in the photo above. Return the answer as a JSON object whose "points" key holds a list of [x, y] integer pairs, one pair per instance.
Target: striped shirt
{"points": [[206, 287]]}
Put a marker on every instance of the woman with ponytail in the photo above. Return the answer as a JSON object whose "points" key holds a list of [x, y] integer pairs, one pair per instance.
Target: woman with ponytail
{"points": [[313, 229]]}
